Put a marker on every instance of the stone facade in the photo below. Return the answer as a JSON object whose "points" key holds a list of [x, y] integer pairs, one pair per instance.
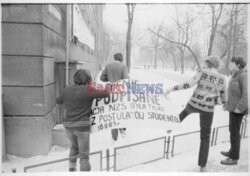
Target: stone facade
{"points": [[33, 45]]}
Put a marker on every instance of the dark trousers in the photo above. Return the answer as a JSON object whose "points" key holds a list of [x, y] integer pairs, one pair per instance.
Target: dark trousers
{"points": [[79, 146], [206, 119], [114, 133], [234, 129]]}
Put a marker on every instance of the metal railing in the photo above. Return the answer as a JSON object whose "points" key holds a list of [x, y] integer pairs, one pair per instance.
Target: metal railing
{"points": [[214, 135], [167, 149], [166, 143], [37, 166], [179, 135]]}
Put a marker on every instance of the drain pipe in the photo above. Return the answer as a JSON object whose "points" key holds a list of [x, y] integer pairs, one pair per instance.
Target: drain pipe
{"points": [[68, 27]]}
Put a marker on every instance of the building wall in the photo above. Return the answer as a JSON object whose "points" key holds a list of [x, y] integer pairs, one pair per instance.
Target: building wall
{"points": [[33, 41]]}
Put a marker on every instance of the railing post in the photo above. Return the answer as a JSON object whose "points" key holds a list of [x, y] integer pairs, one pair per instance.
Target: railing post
{"points": [[164, 148], [107, 160], [216, 135], [172, 152], [167, 155], [245, 129], [114, 159], [212, 141], [241, 130], [101, 161]]}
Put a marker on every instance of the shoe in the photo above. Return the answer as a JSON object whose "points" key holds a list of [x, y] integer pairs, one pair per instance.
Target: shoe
{"points": [[72, 169], [203, 169], [229, 161], [227, 154], [169, 131], [123, 134]]}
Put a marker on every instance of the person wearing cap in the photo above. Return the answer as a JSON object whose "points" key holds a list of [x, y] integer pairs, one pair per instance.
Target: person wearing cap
{"points": [[210, 87], [237, 105]]}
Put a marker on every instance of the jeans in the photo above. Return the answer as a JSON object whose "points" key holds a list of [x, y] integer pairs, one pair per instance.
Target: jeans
{"points": [[206, 119], [79, 146], [234, 129], [114, 133]]}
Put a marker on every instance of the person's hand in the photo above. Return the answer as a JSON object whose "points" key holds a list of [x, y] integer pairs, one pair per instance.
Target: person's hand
{"points": [[167, 92], [225, 107], [237, 111]]}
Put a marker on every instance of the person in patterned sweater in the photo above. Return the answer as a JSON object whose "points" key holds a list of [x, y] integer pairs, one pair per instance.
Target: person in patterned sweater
{"points": [[210, 89]]}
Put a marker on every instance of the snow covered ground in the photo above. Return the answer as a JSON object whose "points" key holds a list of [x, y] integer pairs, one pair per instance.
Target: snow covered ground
{"points": [[187, 147], [187, 162]]}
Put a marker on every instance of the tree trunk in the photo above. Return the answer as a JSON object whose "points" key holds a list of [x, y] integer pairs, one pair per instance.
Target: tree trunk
{"points": [[175, 64], [215, 20], [182, 62], [130, 9], [211, 41], [235, 30], [163, 63], [128, 47], [229, 44], [155, 59], [194, 65]]}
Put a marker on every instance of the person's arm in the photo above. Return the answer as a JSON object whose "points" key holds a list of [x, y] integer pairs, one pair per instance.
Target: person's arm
{"points": [[225, 105], [93, 92], [187, 84], [243, 103], [222, 93], [125, 73], [104, 75]]}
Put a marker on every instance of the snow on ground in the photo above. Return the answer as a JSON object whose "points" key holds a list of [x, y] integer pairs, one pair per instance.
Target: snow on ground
{"points": [[102, 141], [187, 162]]}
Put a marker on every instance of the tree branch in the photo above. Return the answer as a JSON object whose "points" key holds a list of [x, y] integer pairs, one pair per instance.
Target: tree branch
{"points": [[179, 43]]}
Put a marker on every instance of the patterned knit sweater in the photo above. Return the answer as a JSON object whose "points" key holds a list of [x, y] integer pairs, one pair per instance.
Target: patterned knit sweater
{"points": [[210, 84]]}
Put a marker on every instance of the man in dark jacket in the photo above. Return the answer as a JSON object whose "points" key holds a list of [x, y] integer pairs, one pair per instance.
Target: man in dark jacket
{"points": [[115, 71], [237, 105]]}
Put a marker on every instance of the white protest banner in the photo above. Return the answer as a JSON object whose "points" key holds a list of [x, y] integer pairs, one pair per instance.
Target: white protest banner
{"points": [[139, 106]]}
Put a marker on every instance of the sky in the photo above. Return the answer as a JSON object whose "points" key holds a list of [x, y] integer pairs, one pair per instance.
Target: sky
{"points": [[146, 15], [149, 16], [115, 15]]}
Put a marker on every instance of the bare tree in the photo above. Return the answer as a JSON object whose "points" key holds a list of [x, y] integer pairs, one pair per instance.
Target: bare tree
{"points": [[155, 41], [178, 43], [170, 50], [147, 53], [113, 42], [130, 10], [233, 33], [214, 22], [106, 46], [182, 38]]}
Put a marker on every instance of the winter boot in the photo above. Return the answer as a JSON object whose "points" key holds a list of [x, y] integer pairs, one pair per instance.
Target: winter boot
{"points": [[227, 154], [229, 161]]}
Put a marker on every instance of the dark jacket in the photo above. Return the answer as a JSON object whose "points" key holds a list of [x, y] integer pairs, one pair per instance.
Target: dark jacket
{"points": [[237, 92], [114, 71], [78, 104]]}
